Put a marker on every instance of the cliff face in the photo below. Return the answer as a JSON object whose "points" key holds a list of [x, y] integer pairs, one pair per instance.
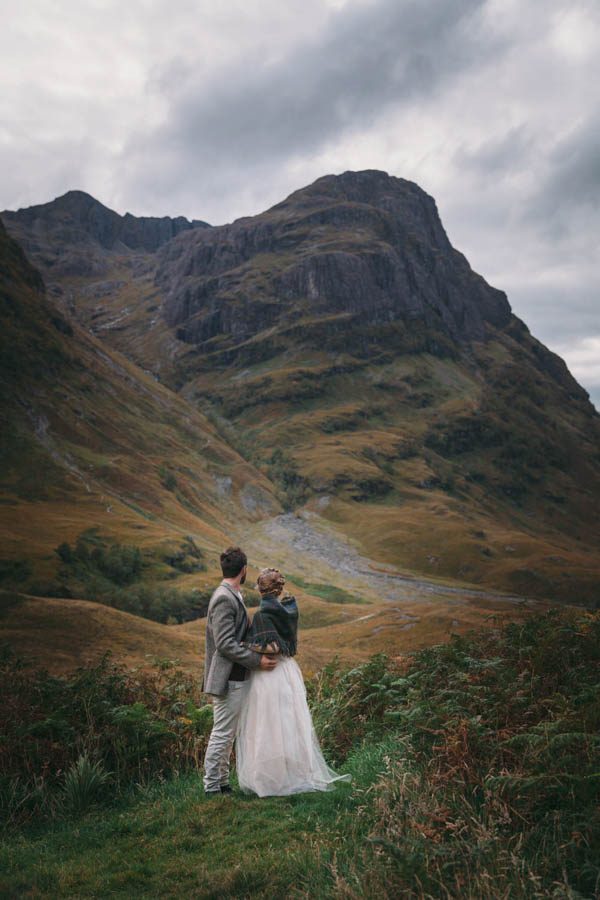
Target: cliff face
{"points": [[69, 234], [363, 245]]}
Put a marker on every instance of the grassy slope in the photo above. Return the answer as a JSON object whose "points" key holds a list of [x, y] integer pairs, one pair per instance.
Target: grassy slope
{"points": [[59, 635], [87, 437], [355, 429], [362, 447]]}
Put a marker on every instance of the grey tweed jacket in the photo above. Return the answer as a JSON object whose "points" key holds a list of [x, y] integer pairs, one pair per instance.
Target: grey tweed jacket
{"points": [[227, 622]]}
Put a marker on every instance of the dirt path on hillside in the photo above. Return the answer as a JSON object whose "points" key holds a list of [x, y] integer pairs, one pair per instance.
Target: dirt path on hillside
{"points": [[308, 546]]}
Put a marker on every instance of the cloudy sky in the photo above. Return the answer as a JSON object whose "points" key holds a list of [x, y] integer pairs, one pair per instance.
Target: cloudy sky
{"points": [[216, 110]]}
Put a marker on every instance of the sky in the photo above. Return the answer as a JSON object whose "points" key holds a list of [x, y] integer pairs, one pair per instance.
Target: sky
{"points": [[217, 110]]}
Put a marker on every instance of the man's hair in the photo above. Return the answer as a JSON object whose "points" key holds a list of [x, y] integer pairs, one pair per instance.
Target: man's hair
{"points": [[233, 561]]}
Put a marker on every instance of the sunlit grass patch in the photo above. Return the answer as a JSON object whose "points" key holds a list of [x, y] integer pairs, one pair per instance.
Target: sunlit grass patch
{"points": [[328, 592]]}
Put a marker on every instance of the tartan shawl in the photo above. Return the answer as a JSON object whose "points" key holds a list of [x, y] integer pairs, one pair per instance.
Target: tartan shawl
{"points": [[275, 622]]}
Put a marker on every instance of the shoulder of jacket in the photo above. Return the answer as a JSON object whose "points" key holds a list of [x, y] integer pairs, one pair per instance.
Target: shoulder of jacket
{"points": [[221, 593]]}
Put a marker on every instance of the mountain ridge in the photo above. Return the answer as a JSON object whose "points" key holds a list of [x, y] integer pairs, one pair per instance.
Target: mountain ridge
{"points": [[381, 254], [102, 223], [349, 352], [89, 444], [76, 235]]}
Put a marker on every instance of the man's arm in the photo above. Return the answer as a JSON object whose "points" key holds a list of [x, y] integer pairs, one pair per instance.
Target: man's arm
{"points": [[223, 625]]}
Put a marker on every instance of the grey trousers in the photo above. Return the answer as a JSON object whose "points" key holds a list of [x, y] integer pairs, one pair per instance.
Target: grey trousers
{"points": [[226, 712]]}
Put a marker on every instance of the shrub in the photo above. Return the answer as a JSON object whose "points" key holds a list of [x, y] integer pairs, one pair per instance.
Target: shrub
{"points": [[350, 704], [110, 573], [493, 789], [117, 563], [14, 572], [283, 470], [187, 558], [168, 479], [64, 738]]}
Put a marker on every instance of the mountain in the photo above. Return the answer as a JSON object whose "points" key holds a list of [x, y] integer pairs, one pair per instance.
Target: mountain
{"points": [[74, 234], [362, 246], [90, 445], [374, 374], [375, 382]]}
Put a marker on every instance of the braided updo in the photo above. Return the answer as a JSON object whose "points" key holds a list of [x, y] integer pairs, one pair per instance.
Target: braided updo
{"points": [[270, 581]]}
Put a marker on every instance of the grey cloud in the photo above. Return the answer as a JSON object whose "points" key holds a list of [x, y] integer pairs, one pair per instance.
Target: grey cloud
{"points": [[499, 155], [368, 59], [555, 314], [574, 180], [214, 110]]}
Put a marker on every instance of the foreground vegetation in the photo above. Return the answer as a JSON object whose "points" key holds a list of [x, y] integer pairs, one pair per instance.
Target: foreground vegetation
{"points": [[475, 774]]}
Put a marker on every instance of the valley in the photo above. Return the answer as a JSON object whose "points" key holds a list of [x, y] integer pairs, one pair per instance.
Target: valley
{"points": [[327, 383]]}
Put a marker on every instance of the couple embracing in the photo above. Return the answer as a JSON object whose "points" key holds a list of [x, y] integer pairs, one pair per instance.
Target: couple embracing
{"points": [[259, 698]]}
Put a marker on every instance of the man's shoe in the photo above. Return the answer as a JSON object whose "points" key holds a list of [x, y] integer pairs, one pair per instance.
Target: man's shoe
{"points": [[209, 794], [226, 789]]}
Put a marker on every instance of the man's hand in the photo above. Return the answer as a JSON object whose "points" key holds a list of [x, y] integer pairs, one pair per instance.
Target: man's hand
{"points": [[267, 662]]}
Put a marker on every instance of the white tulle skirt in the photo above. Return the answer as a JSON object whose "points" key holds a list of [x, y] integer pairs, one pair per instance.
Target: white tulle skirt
{"points": [[277, 749]]}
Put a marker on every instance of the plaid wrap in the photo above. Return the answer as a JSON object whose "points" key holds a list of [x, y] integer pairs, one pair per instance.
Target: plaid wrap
{"points": [[275, 623]]}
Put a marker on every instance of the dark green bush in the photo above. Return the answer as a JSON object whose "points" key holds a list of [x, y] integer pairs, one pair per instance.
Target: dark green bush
{"points": [[283, 470], [110, 573], [167, 477], [187, 558], [93, 555], [14, 572]]}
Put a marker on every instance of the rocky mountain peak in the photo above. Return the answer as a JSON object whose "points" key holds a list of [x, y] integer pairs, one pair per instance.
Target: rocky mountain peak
{"points": [[365, 245], [371, 186], [77, 218]]}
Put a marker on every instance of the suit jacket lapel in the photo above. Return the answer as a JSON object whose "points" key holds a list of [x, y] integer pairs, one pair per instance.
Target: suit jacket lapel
{"points": [[237, 597]]}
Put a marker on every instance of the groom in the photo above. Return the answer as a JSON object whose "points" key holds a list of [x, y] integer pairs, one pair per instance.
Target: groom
{"points": [[226, 667]]}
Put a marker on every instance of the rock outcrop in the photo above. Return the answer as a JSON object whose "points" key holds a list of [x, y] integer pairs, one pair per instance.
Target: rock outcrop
{"points": [[72, 234], [363, 245]]}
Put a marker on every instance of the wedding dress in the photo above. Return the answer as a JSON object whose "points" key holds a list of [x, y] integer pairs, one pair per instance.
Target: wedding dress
{"points": [[277, 749]]}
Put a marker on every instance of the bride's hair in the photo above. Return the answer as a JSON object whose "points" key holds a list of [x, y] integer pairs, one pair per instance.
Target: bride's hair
{"points": [[270, 581]]}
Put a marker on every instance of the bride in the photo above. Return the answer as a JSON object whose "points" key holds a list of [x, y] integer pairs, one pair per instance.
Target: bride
{"points": [[277, 749]]}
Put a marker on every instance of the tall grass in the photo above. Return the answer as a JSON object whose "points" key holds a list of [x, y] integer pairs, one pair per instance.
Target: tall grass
{"points": [[494, 788], [83, 783]]}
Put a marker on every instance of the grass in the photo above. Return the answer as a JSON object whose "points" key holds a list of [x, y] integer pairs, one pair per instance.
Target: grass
{"points": [[61, 634], [474, 771], [328, 592], [172, 842]]}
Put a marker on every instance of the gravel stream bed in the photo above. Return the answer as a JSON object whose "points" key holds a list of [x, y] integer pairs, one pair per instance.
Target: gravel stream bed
{"points": [[306, 545]]}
